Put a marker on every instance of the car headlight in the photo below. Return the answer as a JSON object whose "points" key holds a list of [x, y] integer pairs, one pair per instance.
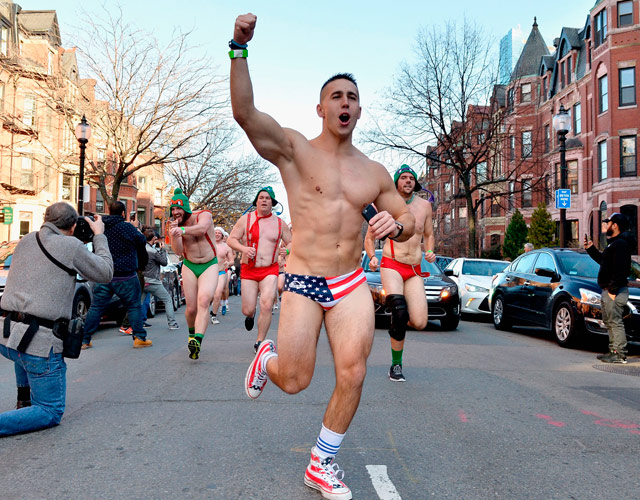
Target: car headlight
{"points": [[448, 290], [589, 297], [476, 289]]}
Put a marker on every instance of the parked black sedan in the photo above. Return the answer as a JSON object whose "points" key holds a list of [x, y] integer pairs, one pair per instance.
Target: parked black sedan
{"points": [[441, 292], [557, 289]]}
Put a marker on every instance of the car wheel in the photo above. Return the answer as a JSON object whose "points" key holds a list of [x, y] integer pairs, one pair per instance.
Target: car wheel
{"points": [[564, 325], [151, 311], [450, 322], [175, 297], [500, 319], [81, 303]]}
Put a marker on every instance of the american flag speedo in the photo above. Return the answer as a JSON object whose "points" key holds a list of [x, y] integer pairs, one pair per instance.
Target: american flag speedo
{"points": [[325, 291]]}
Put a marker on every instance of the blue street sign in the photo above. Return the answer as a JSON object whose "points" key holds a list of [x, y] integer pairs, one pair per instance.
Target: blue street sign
{"points": [[563, 198]]}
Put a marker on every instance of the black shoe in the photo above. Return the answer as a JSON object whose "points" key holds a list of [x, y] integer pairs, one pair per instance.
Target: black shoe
{"points": [[614, 357], [194, 348], [395, 373], [248, 323], [146, 325], [601, 356], [256, 346]]}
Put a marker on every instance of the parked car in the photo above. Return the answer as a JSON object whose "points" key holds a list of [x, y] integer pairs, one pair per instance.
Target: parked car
{"points": [[442, 262], [473, 277], [441, 292], [557, 289], [81, 299]]}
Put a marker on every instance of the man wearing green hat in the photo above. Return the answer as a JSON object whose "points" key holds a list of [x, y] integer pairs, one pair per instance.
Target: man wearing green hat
{"points": [[192, 237], [401, 274], [257, 236]]}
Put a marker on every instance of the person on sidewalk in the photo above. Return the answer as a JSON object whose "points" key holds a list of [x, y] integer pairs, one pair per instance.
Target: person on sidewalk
{"points": [[125, 241], [39, 294], [152, 282], [329, 182], [401, 273], [613, 278]]}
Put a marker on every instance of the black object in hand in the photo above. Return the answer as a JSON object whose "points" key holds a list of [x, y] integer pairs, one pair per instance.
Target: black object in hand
{"points": [[83, 230], [369, 212]]}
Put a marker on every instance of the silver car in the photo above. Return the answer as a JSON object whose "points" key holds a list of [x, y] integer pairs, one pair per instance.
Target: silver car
{"points": [[473, 277]]}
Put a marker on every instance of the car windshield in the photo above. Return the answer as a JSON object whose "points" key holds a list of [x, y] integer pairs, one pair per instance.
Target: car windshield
{"points": [[578, 264], [635, 271], [483, 267]]}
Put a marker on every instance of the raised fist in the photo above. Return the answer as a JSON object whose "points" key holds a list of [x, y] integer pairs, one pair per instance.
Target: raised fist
{"points": [[244, 28]]}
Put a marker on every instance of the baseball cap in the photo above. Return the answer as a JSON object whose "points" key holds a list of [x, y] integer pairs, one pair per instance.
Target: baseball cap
{"points": [[619, 219]]}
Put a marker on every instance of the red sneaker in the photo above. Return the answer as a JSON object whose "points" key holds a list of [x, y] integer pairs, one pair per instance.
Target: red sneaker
{"points": [[126, 331], [326, 477], [256, 377]]}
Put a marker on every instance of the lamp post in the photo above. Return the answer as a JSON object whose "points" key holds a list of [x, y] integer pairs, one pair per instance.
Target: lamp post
{"points": [[83, 132], [562, 125]]}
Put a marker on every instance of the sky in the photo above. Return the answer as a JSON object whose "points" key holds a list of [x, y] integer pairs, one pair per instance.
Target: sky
{"points": [[298, 45]]}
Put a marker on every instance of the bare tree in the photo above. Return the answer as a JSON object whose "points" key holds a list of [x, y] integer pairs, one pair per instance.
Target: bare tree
{"points": [[214, 181], [440, 111], [154, 104]]}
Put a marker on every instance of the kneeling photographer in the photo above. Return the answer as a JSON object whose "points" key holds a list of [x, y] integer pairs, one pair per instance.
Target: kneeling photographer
{"points": [[37, 302]]}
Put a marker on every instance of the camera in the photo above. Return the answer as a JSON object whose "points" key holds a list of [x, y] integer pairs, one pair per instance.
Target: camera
{"points": [[83, 230]]}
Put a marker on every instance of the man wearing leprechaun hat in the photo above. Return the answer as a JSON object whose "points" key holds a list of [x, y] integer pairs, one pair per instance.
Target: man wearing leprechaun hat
{"points": [[257, 236], [401, 272], [192, 237]]}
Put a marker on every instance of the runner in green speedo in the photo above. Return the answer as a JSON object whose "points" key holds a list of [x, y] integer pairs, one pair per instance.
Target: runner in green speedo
{"points": [[192, 237]]}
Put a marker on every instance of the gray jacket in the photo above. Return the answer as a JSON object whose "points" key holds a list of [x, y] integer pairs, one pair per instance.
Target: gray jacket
{"points": [[157, 258], [36, 286]]}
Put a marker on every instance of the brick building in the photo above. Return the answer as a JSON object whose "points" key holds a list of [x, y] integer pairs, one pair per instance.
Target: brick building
{"points": [[592, 72]]}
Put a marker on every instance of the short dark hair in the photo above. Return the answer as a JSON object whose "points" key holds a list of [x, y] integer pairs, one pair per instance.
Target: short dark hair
{"points": [[339, 76], [117, 208], [62, 215], [149, 234]]}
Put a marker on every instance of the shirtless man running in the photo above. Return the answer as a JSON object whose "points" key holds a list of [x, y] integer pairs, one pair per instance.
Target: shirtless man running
{"points": [[400, 269], [257, 236], [192, 238], [225, 259], [329, 182]]}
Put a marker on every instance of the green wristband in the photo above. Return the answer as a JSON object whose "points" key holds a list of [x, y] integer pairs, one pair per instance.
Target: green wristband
{"points": [[238, 54], [288, 252], [184, 231], [429, 251]]}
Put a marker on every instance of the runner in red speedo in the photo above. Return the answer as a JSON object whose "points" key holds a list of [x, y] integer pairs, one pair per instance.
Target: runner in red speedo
{"points": [[257, 235]]}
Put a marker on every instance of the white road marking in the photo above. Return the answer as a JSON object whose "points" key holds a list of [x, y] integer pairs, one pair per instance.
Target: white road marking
{"points": [[381, 482]]}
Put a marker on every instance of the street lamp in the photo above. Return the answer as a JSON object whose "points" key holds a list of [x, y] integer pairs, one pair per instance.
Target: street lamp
{"points": [[562, 125], [83, 132]]}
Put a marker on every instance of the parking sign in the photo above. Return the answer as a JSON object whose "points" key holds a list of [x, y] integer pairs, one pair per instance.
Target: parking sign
{"points": [[563, 198]]}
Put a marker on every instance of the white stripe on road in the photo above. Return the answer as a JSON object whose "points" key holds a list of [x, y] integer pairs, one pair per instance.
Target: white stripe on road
{"points": [[381, 482]]}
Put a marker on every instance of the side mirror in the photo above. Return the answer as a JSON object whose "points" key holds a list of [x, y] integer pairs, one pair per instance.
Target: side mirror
{"points": [[450, 272], [547, 273]]}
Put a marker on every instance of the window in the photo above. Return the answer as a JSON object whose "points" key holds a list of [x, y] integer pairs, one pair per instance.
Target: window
{"points": [[26, 173], [544, 88], [512, 147], [568, 70], [447, 188], [627, 86], [572, 176], [547, 139], [602, 160], [525, 92], [29, 114], [547, 190], [526, 193], [526, 144], [600, 27], [142, 183], [525, 262], [481, 138], [481, 172], [158, 197], [142, 216], [628, 156], [512, 188], [67, 187], [495, 208], [603, 93], [99, 202], [545, 261], [625, 14], [577, 119], [562, 75], [4, 41], [510, 99]]}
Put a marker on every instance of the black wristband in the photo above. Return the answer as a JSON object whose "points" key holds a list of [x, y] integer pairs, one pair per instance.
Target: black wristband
{"points": [[236, 46], [400, 229]]}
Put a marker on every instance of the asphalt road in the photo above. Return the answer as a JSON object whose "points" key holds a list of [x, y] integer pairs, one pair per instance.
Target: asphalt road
{"points": [[483, 415]]}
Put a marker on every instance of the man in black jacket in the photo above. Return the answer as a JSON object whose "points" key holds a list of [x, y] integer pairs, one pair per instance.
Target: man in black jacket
{"points": [[125, 244], [615, 266]]}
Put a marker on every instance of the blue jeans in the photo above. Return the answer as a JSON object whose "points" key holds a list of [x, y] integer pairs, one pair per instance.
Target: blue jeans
{"points": [[129, 292], [47, 379], [145, 306]]}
